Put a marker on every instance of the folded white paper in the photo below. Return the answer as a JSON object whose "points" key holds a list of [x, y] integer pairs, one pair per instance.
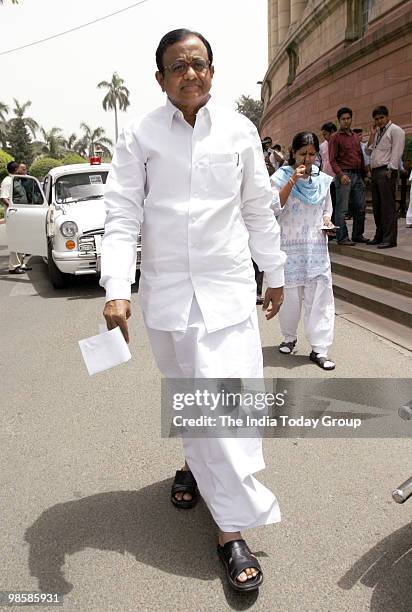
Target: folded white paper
{"points": [[106, 350]]}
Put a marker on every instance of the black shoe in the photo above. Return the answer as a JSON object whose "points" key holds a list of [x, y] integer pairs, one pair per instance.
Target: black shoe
{"points": [[361, 239], [386, 245], [346, 242], [26, 268], [17, 271], [374, 242]]}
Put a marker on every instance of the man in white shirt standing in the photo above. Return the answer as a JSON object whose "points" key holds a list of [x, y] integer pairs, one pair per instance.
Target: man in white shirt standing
{"points": [[193, 175], [16, 260], [385, 148]]}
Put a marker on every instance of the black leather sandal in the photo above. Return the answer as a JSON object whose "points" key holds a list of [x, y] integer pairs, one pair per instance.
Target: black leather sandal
{"points": [[323, 362], [236, 557], [184, 482]]}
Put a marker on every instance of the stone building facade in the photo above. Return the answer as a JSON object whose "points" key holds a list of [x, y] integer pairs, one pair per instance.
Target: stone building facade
{"points": [[324, 54]]}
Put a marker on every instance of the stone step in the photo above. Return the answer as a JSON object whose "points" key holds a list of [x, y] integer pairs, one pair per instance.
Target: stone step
{"points": [[386, 303], [399, 258], [374, 274]]}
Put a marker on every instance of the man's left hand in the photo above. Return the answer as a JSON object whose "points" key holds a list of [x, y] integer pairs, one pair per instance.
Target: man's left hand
{"points": [[273, 301]]}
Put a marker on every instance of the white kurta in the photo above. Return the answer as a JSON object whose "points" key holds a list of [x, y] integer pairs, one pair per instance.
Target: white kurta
{"points": [[202, 196]]}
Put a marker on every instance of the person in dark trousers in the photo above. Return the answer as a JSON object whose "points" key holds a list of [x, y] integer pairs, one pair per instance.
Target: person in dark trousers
{"points": [[346, 159], [385, 148]]}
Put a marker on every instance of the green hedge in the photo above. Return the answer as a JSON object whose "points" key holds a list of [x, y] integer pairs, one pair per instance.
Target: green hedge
{"points": [[407, 154], [73, 158], [41, 166], [5, 158]]}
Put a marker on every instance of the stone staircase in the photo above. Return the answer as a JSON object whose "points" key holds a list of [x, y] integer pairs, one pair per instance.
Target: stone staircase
{"points": [[379, 281]]}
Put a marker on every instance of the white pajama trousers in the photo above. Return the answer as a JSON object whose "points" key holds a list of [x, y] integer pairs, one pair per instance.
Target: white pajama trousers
{"points": [[318, 314], [223, 467]]}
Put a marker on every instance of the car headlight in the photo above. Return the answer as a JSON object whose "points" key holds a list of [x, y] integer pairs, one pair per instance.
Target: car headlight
{"points": [[69, 229]]}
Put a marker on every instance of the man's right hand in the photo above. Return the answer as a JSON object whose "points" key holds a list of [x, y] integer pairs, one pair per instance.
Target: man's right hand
{"points": [[116, 313], [344, 179]]}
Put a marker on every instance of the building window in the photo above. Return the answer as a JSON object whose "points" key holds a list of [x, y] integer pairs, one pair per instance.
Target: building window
{"points": [[293, 55], [366, 9], [357, 21]]}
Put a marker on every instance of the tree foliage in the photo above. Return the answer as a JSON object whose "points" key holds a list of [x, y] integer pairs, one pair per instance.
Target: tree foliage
{"points": [[92, 139], [73, 158], [41, 166], [252, 109], [19, 111], [5, 158], [117, 97], [20, 145], [53, 142]]}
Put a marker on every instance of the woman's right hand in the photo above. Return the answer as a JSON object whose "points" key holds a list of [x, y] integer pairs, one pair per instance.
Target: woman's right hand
{"points": [[300, 172]]}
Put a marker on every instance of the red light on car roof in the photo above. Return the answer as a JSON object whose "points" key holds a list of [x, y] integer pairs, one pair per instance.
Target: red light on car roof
{"points": [[95, 161]]}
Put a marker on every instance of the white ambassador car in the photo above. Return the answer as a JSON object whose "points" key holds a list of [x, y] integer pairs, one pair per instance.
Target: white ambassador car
{"points": [[63, 221]]}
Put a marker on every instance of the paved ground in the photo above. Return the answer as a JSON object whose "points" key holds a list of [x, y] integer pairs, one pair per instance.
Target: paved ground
{"points": [[85, 477]]}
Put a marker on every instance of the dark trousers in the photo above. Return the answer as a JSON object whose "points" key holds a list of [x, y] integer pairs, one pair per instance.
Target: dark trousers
{"points": [[333, 197], [356, 192], [258, 279], [384, 205]]}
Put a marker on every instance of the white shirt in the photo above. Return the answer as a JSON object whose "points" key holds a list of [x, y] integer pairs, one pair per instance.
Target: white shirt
{"points": [[324, 153], [5, 189], [203, 198], [389, 150]]}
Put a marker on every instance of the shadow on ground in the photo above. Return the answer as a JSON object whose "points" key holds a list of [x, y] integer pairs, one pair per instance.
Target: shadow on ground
{"points": [[387, 569], [272, 358], [78, 287], [142, 523]]}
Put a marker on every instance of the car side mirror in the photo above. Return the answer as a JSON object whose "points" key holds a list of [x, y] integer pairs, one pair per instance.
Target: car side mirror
{"points": [[27, 190]]}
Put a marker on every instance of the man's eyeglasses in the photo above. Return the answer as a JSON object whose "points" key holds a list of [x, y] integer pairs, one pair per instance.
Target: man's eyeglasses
{"points": [[180, 67]]}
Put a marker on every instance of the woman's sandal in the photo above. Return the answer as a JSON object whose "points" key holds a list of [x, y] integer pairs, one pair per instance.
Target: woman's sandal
{"points": [[323, 362], [287, 347], [184, 482], [236, 557]]}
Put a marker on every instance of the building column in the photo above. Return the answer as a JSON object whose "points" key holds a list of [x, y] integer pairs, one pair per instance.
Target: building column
{"points": [[283, 19], [273, 25], [296, 10]]}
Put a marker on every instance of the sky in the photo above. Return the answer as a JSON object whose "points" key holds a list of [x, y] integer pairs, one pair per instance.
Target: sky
{"points": [[60, 76]]}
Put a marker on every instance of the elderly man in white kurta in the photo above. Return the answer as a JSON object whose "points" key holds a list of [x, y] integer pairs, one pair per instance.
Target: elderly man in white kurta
{"points": [[192, 176]]}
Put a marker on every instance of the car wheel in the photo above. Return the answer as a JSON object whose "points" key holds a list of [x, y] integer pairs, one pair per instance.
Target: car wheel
{"points": [[58, 279]]}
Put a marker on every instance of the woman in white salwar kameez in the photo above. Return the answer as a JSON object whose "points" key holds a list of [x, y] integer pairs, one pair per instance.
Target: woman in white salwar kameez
{"points": [[303, 207], [409, 212]]}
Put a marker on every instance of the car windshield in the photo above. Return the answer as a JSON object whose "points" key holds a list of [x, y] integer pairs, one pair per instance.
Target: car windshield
{"points": [[80, 187]]}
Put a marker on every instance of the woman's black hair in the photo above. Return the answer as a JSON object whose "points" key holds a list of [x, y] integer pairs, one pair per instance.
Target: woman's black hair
{"points": [[329, 127], [175, 36], [302, 139]]}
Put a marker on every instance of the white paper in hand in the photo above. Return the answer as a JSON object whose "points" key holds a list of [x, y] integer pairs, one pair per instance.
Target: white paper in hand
{"points": [[106, 350]]}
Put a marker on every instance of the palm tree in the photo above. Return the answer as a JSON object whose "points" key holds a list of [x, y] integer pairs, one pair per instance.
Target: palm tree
{"points": [[19, 112], [116, 97], [53, 142], [4, 109], [92, 139], [70, 142]]}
